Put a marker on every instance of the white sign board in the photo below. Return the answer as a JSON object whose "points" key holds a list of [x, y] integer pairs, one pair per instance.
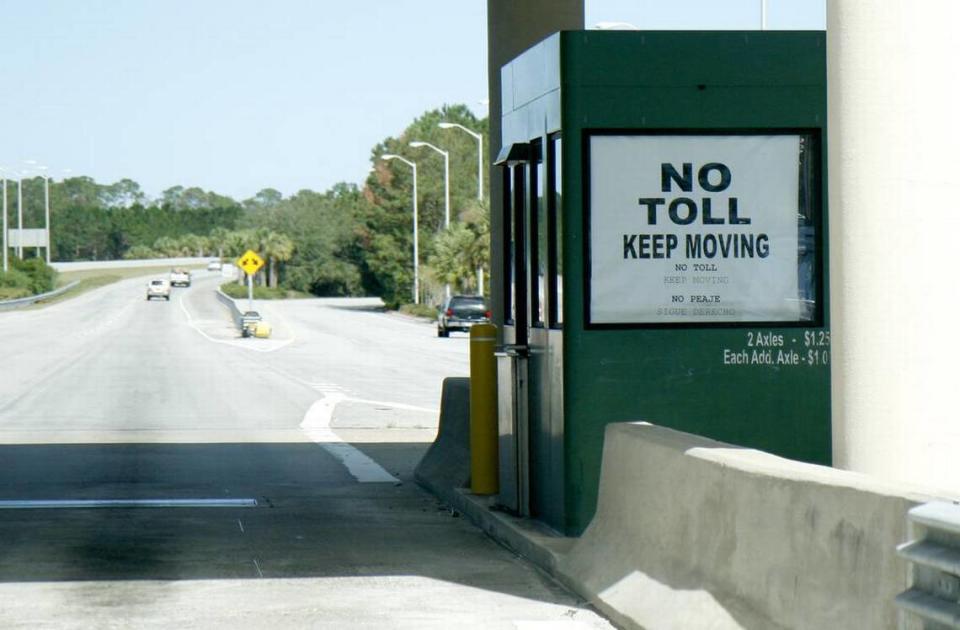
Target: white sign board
{"points": [[693, 229], [27, 238]]}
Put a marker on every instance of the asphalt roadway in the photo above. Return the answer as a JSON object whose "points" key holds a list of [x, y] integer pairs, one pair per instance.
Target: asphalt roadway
{"points": [[159, 471]]}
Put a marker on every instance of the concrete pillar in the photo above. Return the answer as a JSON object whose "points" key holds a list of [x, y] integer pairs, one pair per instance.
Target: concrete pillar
{"points": [[512, 27], [894, 178]]}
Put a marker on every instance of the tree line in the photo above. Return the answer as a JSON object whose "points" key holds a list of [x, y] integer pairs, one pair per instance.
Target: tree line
{"points": [[349, 240]]}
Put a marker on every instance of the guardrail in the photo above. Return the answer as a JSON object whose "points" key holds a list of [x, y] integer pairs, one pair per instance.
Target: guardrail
{"points": [[33, 299]]}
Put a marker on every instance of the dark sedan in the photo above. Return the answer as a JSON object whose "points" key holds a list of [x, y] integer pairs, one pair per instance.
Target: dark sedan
{"points": [[460, 312]]}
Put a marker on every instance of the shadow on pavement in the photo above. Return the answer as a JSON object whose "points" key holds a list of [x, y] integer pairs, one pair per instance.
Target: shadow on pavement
{"points": [[313, 520]]}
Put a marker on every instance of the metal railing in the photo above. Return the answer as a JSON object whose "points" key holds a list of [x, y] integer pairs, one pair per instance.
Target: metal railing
{"points": [[934, 595], [33, 299]]}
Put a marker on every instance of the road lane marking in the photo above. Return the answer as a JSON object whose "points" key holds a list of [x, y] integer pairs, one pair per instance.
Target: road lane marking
{"points": [[331, 388], [316, 424], [257, 564], [246, 344], [240, 523], [32, 504], [552, 624]]}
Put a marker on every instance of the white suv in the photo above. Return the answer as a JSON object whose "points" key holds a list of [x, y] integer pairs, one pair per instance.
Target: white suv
{"points": [[158, 288]]}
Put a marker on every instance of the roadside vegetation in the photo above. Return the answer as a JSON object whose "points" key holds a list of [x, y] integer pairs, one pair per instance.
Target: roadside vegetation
{"points": [[419, 310], [239, 291], [25, 278], [350, 240]]}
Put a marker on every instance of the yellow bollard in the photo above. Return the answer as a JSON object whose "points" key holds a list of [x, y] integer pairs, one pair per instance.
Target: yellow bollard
{"points": [[484, 473]]}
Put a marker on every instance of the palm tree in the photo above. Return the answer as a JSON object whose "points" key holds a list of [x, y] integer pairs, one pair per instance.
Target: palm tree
{"points": [[192, 244], [217, 239], [167, 247], [277, 248]]}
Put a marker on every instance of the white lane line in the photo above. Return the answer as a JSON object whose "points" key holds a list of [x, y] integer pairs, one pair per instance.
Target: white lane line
{"points": [[240, 523], [257, 564], [316, 424], [330, 388], [31, 504], [245, 345], [551, 624]]}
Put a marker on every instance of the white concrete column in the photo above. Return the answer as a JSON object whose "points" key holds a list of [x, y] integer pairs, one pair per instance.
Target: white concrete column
{"points": [[894, 178]]}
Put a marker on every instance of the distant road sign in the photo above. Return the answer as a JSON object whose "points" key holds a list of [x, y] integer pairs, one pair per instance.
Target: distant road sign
{"points": [[250, 262]]}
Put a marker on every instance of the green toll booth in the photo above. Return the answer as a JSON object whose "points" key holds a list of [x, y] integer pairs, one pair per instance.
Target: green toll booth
{"points": [[664, 249]]}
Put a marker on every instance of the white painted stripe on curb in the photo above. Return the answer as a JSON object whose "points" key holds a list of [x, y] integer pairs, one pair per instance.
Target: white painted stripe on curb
{"points": [[32, 504], [316, 424]]}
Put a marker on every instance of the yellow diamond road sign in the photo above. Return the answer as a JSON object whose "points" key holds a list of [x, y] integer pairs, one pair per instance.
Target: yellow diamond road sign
{"points": [[250, 262]]}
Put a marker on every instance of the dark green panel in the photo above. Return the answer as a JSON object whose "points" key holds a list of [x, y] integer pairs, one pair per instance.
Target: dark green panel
{"points": [[669, 376]]}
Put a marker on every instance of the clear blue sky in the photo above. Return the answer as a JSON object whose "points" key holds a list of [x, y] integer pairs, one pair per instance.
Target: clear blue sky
{"points": [[238, 95]]}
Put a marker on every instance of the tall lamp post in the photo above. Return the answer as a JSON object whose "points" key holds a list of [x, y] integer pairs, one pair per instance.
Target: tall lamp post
{"points": [[6, 264], [446, 178], [479, 138], [446, 190], [416, 251], [19, 215], [46, 202]]}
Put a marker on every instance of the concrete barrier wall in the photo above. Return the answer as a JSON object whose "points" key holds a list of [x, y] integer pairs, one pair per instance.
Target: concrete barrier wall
{"points": [[123, 264], [231, 304], [692, 533], [445, 466]]}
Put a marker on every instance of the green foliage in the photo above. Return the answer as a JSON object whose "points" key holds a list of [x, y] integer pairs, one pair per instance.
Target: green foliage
{"points": [[462, 249], [310, 240], [389, 225], [419, 310], [27, 277], [15, 284], [239, 291], [43, 277], [349, 240]]}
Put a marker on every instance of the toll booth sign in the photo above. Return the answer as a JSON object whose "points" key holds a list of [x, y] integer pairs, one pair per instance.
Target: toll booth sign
{"points": [[701, 229]]}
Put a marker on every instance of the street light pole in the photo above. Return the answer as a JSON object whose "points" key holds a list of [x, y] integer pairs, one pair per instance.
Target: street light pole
{"points": [[20, 216], [446, 178], [479, 138], [446, 191], [5, 253], [416, 251], [46, 212]]}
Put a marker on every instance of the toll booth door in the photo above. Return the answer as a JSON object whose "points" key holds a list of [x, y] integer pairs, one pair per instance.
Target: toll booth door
{"points": [[512, 357]]}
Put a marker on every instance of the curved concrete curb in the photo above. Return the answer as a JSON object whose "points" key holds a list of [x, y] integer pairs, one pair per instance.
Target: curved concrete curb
{"points": [[692, 533], [445, 466], [33, 299]]}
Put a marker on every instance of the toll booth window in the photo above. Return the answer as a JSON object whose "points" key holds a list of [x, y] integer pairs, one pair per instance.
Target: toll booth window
{"points": [[555, 230], [693, 228], [537, 213]]}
